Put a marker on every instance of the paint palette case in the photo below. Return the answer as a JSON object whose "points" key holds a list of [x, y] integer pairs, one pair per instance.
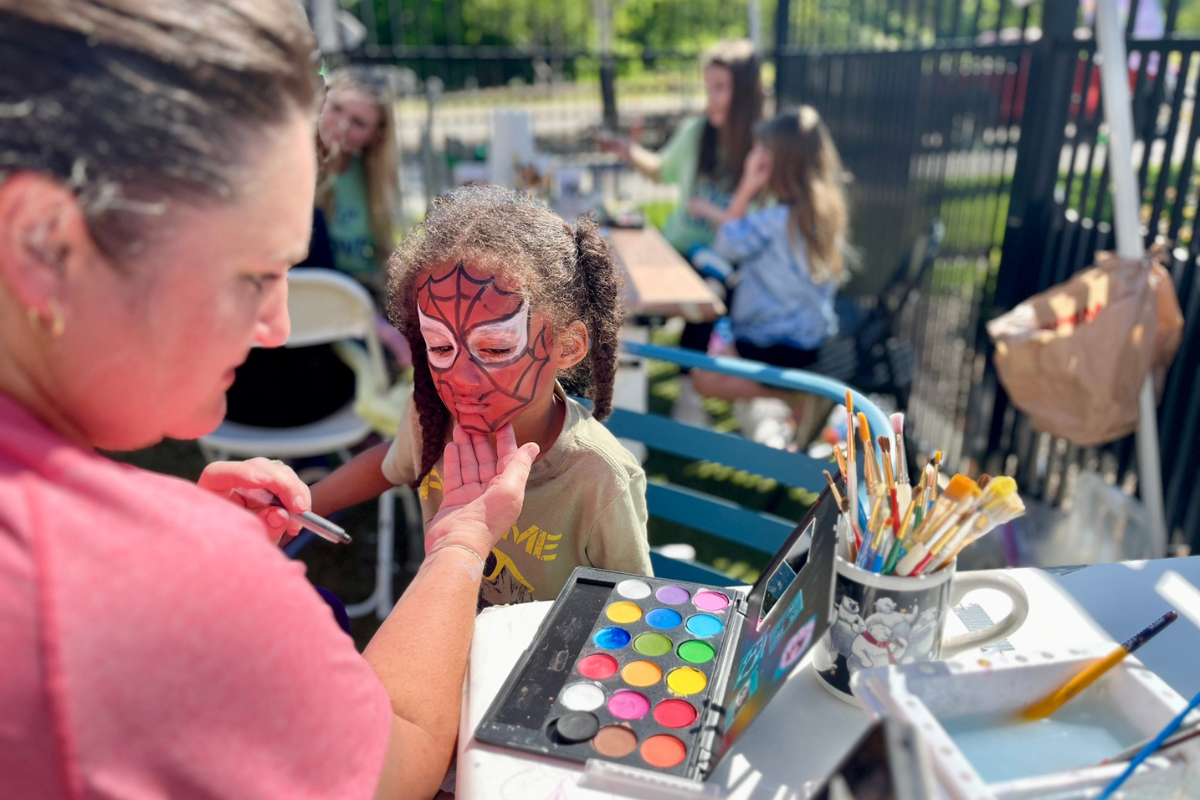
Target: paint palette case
{"points": [[665, 675]]}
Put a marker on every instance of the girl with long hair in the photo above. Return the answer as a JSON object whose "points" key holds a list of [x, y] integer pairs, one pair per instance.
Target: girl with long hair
{"points": [[789, 255], [359, 188]]}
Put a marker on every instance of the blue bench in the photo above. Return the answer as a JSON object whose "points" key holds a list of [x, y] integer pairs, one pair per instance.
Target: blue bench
{"points": [[760, 531]]}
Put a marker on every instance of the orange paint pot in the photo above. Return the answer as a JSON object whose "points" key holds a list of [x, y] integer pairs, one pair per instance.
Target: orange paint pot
{"points": [[663, 751]]}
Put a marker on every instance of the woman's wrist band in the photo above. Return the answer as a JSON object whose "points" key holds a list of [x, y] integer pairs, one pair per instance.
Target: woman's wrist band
{"points": [[479, 558]]}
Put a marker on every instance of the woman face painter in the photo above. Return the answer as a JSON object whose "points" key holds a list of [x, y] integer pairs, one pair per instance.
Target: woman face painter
{"points": [[157, 169]]}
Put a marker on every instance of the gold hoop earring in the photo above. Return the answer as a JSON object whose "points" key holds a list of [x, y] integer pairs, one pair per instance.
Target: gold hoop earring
{"points": [[58, 322]]}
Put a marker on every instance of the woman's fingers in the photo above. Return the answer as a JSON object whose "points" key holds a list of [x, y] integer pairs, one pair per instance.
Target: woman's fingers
{"points": [[485, 457], [452, 472], [224, 477], [506, 446], [467, 463]]}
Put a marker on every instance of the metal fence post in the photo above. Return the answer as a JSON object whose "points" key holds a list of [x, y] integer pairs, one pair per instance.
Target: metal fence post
{"points": [[1031, 204], [608, 66], [1044, 118], [783, 15]]}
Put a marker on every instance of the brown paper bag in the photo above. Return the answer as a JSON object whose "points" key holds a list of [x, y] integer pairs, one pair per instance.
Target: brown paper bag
{"points": [[1075, 356]]}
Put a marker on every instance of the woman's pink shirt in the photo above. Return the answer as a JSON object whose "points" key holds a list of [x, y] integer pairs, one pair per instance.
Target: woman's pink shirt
{"points": [[154, 643]]}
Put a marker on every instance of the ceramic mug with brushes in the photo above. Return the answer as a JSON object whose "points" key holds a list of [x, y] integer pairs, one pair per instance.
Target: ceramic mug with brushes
{"points": [[886, 619]]}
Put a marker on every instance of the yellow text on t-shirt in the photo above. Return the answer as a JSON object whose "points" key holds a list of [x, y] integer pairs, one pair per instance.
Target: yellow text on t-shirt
{"points": [[538, 543]]}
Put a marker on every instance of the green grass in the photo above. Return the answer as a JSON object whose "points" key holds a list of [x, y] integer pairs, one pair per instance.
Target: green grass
{"points": [[755, 492]]}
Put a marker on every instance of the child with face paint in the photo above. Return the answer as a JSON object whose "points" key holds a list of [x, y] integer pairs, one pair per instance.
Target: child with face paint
{"points": [[500, 299]]}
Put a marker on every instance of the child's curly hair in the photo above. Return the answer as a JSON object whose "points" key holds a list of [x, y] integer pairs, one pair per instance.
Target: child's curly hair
{"points": [[567, 274]]}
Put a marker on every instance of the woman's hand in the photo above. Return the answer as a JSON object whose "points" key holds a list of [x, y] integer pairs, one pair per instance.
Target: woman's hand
{"points": [[483, 490], [225, 478], [611, 143]]}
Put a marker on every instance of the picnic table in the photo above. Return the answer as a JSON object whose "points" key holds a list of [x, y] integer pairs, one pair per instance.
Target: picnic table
{"points": [[658, 281]]}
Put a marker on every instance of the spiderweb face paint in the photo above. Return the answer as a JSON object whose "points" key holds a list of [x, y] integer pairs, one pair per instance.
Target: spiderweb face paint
{"points": [[485, 355]]}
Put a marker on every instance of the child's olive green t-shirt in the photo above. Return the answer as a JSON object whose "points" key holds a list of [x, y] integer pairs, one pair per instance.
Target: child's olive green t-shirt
{"points": [[585, 505]]}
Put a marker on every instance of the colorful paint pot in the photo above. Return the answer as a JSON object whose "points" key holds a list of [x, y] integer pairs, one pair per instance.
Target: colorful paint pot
{"points": [[673, 595], [626, 704], [615, 741], [663, 751], [624, 612], [675, 713], [696, 652], [710, 601], [704, 625], [598, 666], [612, 638], [664, 618], [633, 589], [652, 644], [686, 680], [582, 697], [641, 673]]}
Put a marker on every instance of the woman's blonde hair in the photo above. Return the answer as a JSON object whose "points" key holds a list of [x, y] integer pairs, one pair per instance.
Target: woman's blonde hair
{"points": [[379, 158], [807, 176]]}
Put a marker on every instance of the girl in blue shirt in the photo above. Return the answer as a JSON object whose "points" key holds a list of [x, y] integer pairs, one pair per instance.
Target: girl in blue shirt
{"points": [[789, 255]]}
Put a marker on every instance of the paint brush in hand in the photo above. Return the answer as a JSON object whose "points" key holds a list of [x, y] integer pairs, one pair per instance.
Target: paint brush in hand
{"points": [[1055, 700]]}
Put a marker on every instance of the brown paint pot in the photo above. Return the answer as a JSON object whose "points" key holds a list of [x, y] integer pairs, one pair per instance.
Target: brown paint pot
{"points": [[615, 741]]}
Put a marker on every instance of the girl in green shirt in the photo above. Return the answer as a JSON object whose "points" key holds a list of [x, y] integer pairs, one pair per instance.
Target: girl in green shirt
{"points": [[359, 192]]}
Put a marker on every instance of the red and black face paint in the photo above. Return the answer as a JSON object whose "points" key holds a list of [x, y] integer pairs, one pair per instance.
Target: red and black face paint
{"points": [[485, 356]]}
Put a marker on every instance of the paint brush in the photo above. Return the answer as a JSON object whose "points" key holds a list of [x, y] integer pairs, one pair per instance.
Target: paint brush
{"points": [[903, 482], [1055, 700], [889, 480], [898, 549], [865, 554], [852, 510], [870, 465], [1184, 734], [1150, 749], [932, 486], [317, 524], [998, 502], [837, 496], [956, 501], [921, 494], [1010, 509], [852, 473], [878, 529]]}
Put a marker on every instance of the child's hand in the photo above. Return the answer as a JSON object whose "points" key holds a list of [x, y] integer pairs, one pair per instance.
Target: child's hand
{"points": [[706, 210], [757, 170], [483, 490], [225, 478]]}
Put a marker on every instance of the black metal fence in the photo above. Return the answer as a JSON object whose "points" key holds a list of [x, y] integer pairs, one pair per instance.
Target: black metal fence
{"points": [[989, 116]]}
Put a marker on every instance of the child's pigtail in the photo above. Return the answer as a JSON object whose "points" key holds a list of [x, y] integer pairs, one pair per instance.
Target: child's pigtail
{"points": [[434, 416], [602, 311]]}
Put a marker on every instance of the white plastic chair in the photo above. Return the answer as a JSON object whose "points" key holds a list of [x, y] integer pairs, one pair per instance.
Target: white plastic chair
{"points": [[328, 307]]}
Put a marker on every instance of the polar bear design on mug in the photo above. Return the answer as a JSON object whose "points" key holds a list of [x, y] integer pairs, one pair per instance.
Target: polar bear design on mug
{"points": [[846, 626], [877, 646]]}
